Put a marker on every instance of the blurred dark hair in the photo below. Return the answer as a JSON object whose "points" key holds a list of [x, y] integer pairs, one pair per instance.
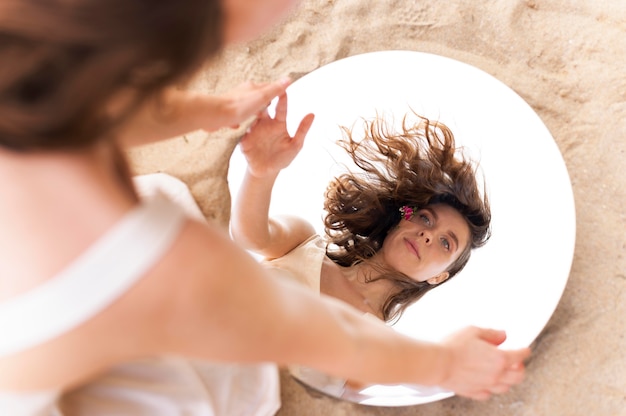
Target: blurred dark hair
{"points": [[418, 166], [63, 60]]}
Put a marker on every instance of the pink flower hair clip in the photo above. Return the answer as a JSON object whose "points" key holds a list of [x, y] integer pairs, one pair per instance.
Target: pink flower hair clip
{"points": [[407, 212]]}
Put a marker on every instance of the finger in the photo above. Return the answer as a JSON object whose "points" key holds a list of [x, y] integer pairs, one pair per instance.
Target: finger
{"points": [[268, 92], [512, 377], [281, 108], [492, 336], [478, 395], [303, 129], [500, 388], [516, 357]]}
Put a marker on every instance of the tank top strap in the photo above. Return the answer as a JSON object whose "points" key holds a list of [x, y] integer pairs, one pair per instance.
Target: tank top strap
{"points": [[94, 280]]}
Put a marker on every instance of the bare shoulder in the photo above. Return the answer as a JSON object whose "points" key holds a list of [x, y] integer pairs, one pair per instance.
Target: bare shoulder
{"points": [[161, 314], [53, 207], [289, 231]]}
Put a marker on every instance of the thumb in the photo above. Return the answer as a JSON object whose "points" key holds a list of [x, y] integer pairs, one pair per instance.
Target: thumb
{"points": [[515, 358], [492, 336]]}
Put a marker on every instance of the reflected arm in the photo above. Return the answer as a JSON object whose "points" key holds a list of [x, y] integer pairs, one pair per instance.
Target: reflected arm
{"points": [[268, 148], [253, 228]]}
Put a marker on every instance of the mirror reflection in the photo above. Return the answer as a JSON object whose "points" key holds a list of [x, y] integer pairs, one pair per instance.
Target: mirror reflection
{"points": [[411, 162]]}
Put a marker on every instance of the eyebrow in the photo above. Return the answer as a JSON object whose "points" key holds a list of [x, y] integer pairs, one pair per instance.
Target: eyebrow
{"points": [[452, 235]]}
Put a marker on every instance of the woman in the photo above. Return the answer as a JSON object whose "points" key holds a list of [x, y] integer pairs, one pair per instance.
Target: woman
{"points": [[403, 225], [93, 281]]}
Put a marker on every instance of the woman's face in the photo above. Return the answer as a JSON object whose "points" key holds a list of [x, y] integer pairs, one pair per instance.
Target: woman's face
{"points": [[246, 19], [427, 244]]}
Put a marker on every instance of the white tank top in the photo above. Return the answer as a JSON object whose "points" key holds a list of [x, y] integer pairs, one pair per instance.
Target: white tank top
{"points": [[157, 386]]}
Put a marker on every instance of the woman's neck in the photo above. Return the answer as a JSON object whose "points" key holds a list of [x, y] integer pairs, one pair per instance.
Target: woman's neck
{"points": [[357, 285]]}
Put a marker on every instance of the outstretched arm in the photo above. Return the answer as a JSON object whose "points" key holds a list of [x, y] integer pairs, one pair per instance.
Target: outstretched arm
{"points": [[177, 112], [247, 316], [268, 148]]}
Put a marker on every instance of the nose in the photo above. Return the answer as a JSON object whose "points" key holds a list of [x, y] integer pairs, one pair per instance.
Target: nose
{"points": [[426, 235]]}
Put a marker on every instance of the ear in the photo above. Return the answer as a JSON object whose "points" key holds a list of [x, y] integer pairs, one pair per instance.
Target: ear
{"points": [[441, 277]]}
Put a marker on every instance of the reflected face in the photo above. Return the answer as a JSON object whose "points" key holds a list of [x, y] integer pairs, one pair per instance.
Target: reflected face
{"points": [[426, 245], [246, 19]]}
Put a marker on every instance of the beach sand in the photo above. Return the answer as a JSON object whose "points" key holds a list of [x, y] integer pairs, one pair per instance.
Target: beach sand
{"points": [[567, 59]]}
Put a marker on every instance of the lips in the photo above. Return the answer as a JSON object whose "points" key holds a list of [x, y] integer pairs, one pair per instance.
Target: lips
{"points": [[412, 247]]}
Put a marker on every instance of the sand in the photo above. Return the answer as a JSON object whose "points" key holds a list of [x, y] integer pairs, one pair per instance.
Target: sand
{"points": [[567, 59]]}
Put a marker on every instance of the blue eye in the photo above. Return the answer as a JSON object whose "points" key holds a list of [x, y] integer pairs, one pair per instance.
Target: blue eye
{"points": [[445, 243], [425, 219]]}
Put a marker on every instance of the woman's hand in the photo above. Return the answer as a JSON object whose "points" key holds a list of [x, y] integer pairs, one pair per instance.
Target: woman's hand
{"points": [[267, 146], [176, 112], [242, 102], [477, 368]]}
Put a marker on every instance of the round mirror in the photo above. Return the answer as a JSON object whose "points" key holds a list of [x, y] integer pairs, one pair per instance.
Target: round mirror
{"points": [[514, 282]]}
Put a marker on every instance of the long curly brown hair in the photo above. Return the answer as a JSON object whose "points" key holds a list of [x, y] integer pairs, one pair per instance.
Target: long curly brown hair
{"points": [[417, 166]]}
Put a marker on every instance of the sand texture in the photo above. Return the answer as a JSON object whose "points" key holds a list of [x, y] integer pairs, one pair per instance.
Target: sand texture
{"points": [[567, 59]]}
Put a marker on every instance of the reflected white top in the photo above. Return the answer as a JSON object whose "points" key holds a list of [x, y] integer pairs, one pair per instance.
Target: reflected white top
{"points": [[514, 282], [303, 264]]}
